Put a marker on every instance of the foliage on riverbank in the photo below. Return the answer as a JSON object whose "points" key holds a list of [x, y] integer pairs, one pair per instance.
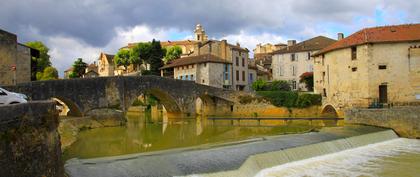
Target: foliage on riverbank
{"points": [[291, 99]]}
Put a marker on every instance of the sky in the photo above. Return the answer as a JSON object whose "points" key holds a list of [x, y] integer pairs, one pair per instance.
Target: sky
{"points": [[84, 28]]}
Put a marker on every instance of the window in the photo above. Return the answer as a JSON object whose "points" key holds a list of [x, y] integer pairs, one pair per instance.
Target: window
{"points": [[192, 77], [251, 77], [309, 56], [180, 77], [205, 64], [203, 81], [292, 57], [353, 53], [281, 70], [293, 71], [323, 59], [294, 85], [237, 75], [323, 76], [243, 62], [354, 69], [187, 77], [243, 75], [192, 66], [381, 67], [237, 61], [311, 68], [325, 92]]}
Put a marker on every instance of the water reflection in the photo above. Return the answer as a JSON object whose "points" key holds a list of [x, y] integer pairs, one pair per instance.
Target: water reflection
{"points": [[154, 131]]}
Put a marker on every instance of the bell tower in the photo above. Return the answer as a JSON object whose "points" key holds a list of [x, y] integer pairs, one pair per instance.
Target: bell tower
{"points": [[200, 34]]}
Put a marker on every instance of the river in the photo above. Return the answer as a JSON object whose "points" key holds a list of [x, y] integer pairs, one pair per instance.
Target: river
{"points": [[144, 133]]}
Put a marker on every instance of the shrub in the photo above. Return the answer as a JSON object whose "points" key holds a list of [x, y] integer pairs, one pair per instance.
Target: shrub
{"points": [[259, 85], [279, 85], [291, 99]]}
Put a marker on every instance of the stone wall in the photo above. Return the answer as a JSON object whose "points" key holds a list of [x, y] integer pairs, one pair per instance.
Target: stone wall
{"points": [[29, 141], [269, 110], [8, 44], [404, 120]]}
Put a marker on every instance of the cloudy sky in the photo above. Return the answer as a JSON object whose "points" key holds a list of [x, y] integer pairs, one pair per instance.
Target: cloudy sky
{"points": [[84, 28]]}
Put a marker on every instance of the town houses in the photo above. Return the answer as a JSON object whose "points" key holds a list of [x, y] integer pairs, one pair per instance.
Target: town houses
{"points": [[378, 66]]}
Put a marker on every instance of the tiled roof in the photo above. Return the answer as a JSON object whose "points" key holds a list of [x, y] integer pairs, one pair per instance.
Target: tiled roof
{"points": [[316, 43], [69, 70], [109, 58], [195, 60], [383, 34]]}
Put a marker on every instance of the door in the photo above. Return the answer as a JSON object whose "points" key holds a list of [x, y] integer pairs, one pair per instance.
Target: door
{"points": [[383, 93]]}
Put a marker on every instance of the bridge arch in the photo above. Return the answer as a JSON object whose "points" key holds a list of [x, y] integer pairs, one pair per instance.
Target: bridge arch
{"points": [[164, 98], [205, 104], [73, 108], [329, 111]]}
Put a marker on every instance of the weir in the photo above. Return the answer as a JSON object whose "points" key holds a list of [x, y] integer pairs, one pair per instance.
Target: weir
{"points": [[258, 162], [239, 159]]}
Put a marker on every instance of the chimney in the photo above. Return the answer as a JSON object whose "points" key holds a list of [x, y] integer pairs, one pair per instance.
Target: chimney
{"points": [[291, 43], [224, 50], [340, 36]]}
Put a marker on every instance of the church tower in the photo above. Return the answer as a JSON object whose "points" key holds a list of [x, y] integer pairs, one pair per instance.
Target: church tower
{"points": [[200, 34]]}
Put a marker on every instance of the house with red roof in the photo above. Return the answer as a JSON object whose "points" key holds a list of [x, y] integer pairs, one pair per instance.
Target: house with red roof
{"points": [[374, 67]]}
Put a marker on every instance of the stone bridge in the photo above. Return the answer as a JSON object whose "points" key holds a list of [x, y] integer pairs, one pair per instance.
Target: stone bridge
{"points": [[85, 95]]}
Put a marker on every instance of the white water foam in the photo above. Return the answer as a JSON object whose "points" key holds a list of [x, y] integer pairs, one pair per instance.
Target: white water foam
{"points": [[361, 161]]}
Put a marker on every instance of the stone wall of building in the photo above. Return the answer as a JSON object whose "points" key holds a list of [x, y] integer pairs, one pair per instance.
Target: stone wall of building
{"points": [[23, 64], [8, 47], [403, 120], [355, 82], [29, 141]]}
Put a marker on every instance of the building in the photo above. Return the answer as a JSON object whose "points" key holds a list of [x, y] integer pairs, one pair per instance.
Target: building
{"points": [[372, 66], [206, 69], [201, 47], [15, 60], [106, 66], [67, 73], [291, 62], [91, 71], [263, 54]]}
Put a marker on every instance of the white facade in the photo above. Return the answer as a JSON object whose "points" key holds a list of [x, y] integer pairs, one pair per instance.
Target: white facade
{"points": [[290, 66]]}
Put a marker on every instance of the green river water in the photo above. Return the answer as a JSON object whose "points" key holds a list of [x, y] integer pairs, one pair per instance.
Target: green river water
{"points": [[144, 133]]}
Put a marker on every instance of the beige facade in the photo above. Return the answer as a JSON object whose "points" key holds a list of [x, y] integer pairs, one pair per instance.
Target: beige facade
{"points": [[106, 66], [345, 82], [15, 60], [291, 62]]}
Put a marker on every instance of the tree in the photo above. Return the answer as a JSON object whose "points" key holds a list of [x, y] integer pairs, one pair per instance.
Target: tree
{"points": [[172, 53], [79, 68], [259, 85], [308, 79], [49, 73], [42, 62], [122, 58], [155, 59]]}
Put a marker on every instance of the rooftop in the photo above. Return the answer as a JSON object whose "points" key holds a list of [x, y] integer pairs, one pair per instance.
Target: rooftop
{"points": [[382, 34], [195, 60], [316, 43]]}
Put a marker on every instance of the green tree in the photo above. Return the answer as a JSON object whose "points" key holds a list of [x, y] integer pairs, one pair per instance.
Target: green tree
{"points": [[279, 85], [259, 85], [79, 68], [155, 59], [49, 73], [172, 53], [308, 79], [122, 58], [42, 62]]}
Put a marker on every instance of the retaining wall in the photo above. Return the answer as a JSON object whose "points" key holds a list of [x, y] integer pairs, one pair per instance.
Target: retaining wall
{"points": [[29, 141]]}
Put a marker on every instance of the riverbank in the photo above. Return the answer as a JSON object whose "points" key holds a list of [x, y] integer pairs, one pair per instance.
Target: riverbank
{"points": [[209, 160]]}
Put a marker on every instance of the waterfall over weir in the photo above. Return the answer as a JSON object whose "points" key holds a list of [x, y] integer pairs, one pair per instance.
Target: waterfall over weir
{"points": [[258, 162]]}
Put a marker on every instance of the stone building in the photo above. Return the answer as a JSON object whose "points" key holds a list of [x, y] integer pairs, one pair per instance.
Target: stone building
{"points": [[206, 69], [291, 62], [234, 54], [67, 73], [263, 54], [371, 66], [91, 71], [15, 60], [106, 66]]}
